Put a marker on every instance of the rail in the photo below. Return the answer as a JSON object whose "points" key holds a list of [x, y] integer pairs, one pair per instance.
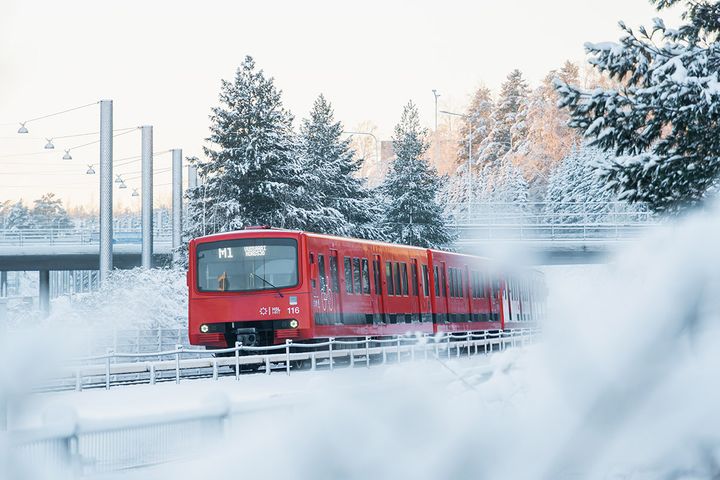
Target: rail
{"points": [[95, 446]]}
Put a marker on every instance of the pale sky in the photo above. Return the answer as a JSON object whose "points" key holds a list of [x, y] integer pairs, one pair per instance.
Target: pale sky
{"points": [[161, 62]]}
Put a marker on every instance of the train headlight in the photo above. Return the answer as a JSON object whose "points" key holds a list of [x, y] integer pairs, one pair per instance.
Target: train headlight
{"points": [[204, 328], [293, 323]]}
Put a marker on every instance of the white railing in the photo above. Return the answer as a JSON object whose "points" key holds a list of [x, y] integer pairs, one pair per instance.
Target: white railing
{"points": [[549, 232], [74, 236], [93, 446], [118, 368]]}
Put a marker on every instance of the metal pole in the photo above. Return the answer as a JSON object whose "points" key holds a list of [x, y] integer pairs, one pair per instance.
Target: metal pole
{"points": [[176, 201], [147, 196], [436, 95], [106, 185]]}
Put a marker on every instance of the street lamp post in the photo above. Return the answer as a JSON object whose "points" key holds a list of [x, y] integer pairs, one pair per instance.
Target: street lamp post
{"points": [[469, 164], [436, 95]]}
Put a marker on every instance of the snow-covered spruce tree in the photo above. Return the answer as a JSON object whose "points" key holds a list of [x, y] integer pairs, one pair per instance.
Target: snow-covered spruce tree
{"points": [[18, 217], [508, 120], [577, 193], [412, 214], [48, 212], [251, 176], [666, 114], [345, 205]]}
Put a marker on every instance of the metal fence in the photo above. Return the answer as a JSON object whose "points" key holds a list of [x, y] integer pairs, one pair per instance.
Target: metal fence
{"points": [[93, 446], [117, 368]]}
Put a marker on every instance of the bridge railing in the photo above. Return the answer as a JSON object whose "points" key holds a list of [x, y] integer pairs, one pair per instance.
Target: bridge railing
{"points": [[551, 232], [498, 213], [73, 236]]}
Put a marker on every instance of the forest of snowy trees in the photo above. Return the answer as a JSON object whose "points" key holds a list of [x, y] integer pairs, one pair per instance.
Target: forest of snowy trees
{"points": [[259, 171], [47, 212], [525, 156]]}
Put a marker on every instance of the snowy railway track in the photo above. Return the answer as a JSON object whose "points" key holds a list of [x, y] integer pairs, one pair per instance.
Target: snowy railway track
{"points": [[325, 355]]}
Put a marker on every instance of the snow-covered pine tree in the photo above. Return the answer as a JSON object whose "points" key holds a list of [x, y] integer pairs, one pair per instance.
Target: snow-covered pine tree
{"points": [[251, 176], [478, 120], [18, 217], [576, 193], [344, 204], [412, 214], [508, 120], [549, 138], [48, 212], [666, 114]]}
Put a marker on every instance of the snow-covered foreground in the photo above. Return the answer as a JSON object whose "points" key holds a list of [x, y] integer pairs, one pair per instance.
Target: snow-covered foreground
{"points": [[622, 385]]}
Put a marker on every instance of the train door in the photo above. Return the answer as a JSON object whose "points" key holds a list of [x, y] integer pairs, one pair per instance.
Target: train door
{"points": [[334, 296], [416, 303], [378, 299], [441, 292]]}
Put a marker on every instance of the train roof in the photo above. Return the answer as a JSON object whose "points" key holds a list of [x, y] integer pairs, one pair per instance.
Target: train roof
{"points": [[330, 237], [266, 230]]}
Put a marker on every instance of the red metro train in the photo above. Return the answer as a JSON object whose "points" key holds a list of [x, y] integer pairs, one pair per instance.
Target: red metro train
{"points": [[261, 286]]}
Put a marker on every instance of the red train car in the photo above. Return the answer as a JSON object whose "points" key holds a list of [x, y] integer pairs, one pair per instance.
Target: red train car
{"points": [[262, 285]]}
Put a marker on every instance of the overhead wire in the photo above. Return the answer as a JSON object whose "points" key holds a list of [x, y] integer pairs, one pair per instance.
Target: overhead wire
{"points": [[58, 113]]}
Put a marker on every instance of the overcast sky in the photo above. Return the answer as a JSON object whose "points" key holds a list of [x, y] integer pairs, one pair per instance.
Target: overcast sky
{"points": [[162, 61]]}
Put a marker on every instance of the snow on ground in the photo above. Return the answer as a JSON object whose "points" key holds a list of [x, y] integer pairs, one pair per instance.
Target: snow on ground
{"points": [[623, 385]]}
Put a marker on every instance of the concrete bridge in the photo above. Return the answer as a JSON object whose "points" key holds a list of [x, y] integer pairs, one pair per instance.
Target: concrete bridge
{"points": [[525, 238]]}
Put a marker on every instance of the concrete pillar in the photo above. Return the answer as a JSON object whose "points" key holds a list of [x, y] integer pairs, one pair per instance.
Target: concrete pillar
{"points": [[106, 188], [3, 284], [44, 299], [147, 196]]}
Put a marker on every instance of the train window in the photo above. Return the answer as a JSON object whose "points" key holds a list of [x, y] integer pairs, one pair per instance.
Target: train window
{"points": [[404, 278], [461, 289], [247, 264], [414, 274], [334, 274], [389, 279], [348, 275], [426, 281], [356, 275], [437, 280], [376, 277], [321, 269], [365, 276], [398, 282]]}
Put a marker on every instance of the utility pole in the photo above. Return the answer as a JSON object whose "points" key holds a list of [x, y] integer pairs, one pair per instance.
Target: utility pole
{"points": [[147, 196], [106, 186]]}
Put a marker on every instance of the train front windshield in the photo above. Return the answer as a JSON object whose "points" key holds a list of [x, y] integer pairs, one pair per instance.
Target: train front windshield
{"points": [[247, 264]]}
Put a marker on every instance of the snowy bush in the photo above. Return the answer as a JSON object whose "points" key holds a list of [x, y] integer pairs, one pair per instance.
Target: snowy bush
{"points": [[138, 298]]}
